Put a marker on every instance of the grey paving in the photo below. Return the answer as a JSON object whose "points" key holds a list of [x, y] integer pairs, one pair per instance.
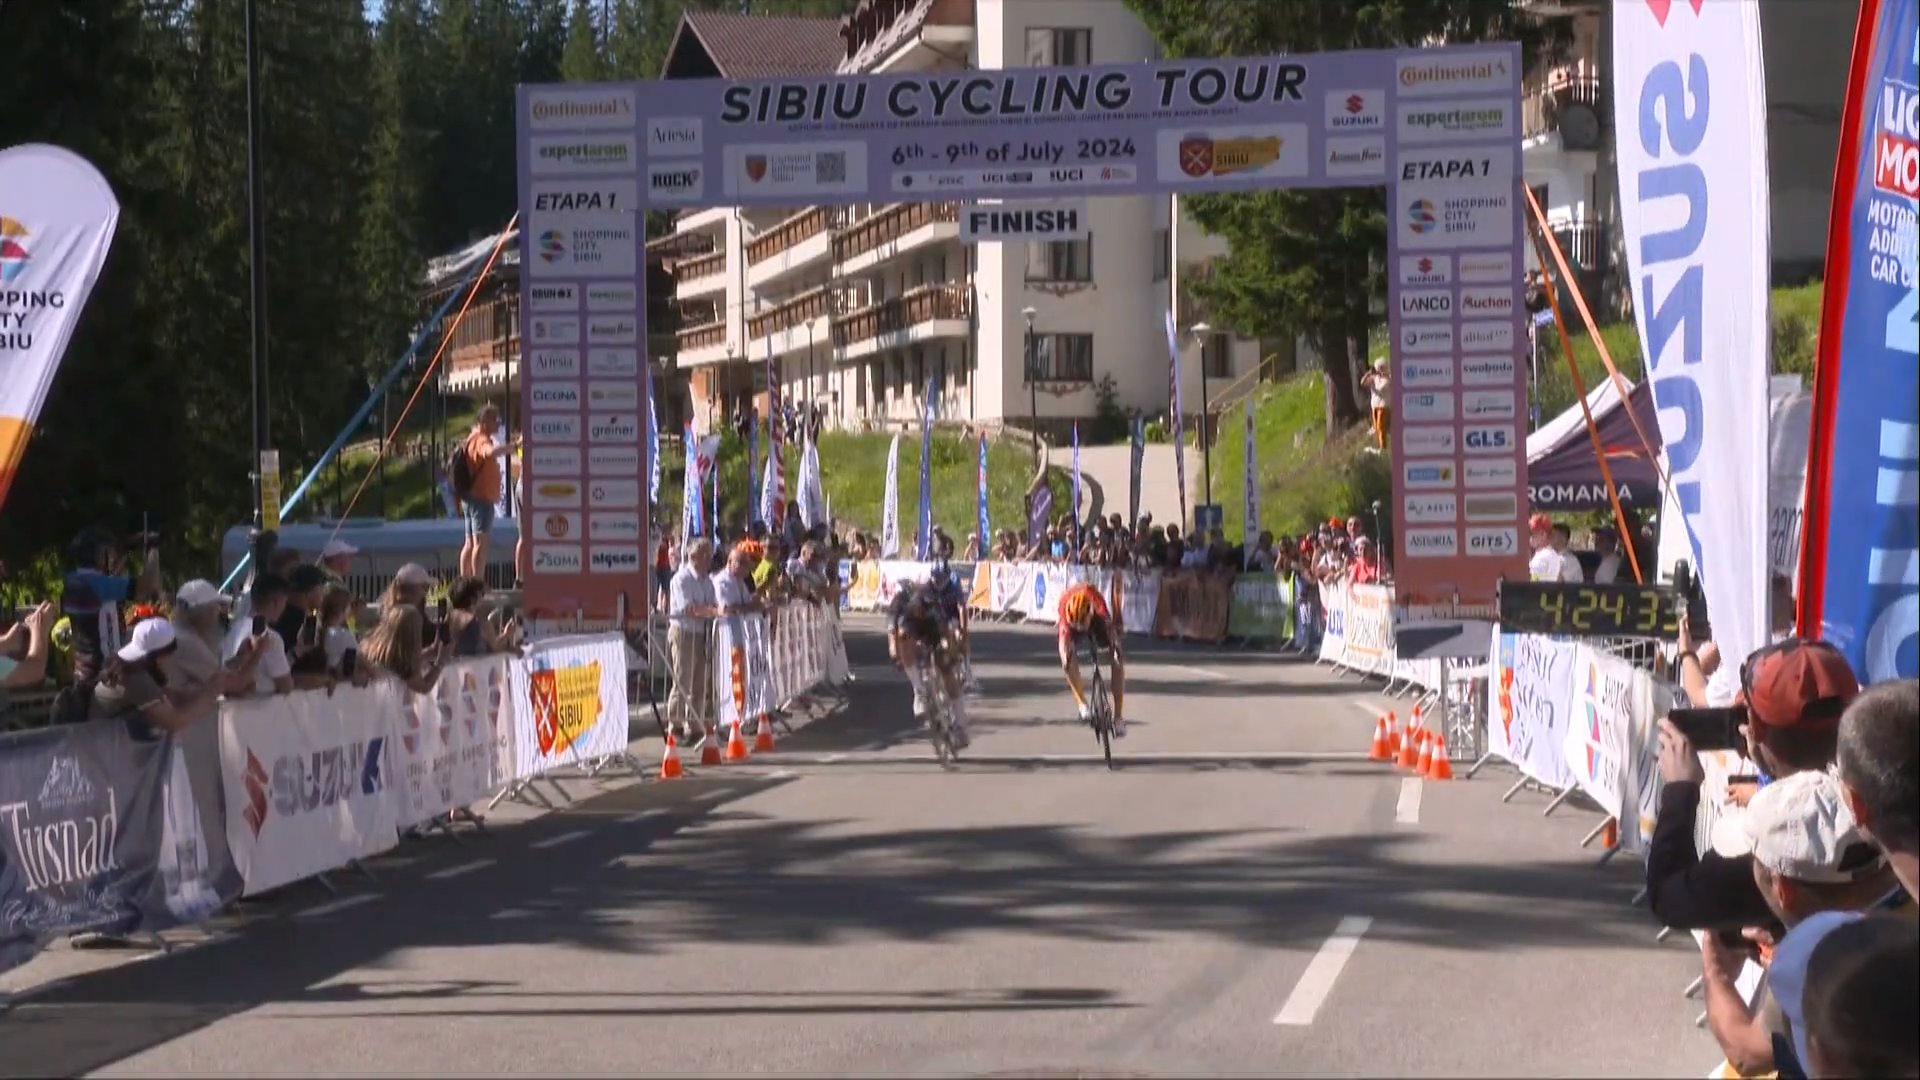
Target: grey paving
{"points": [[845, 907]]}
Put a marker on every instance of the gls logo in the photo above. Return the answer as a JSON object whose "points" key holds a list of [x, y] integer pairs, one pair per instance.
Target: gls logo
{"points": [[1488, 438]]}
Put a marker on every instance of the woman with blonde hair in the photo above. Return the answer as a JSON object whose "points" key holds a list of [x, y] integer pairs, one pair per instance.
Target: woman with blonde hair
{"points": [[398, 647]]}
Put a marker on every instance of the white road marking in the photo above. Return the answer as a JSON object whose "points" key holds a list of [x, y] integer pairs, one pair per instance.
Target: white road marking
{"points": [[563, 838], [1206, 673], [1367, 707], [783, 774], [635, 819], [1317, 981], [342, 904], [1407, 812], [832, 757], [460, 871]]}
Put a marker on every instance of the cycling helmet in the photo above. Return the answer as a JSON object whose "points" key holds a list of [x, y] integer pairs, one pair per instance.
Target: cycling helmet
{"points": [[1078, 610], [941, 575]]}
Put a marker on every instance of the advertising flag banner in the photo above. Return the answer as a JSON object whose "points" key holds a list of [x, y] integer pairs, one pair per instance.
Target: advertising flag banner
{"points": [[890, 503], [1039, 512], [1860, 557], [923, 536], [1138, 436], [1694, 208], [57, 216], [1251, 479], [757, 493], [692, 508], [1179, 425], [653, 451], [775, 511], [1074, 502], [813, 503], [984, 526]]}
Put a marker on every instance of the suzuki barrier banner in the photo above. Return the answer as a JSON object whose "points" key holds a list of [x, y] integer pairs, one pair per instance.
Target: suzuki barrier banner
{"points": [[57, 216], [1690, 95], [1860, 574], [308, 779]]}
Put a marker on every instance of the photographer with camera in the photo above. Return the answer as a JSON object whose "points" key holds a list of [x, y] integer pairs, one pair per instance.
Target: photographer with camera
{"points": [[1791, 698]]}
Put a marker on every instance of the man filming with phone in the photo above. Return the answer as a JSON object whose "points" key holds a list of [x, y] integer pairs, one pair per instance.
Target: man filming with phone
{"points": [[1788, 711]]}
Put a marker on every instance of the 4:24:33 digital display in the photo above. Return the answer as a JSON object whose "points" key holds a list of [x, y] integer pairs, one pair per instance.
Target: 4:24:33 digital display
{"points": [[1577, 610]]}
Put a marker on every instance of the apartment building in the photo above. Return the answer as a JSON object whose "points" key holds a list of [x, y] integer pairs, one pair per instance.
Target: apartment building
{"points": [[859, 306], [1570, 132]]}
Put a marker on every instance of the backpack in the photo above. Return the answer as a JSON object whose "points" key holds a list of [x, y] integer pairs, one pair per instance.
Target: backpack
{"points": [[460, 471]]}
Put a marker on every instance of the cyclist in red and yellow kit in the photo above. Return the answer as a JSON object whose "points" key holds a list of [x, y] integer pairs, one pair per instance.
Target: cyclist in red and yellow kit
{"points": [[1084, 617]]}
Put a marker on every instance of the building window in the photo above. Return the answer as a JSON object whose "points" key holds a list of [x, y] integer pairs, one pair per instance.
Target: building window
{"points": [[1060, 260], [1059, 47], [1063, 357], [1162, 254], [1216, 356], [960, 373]]}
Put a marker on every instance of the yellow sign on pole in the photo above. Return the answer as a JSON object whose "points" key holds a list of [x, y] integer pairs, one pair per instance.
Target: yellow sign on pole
{"points": [[270, 489]]}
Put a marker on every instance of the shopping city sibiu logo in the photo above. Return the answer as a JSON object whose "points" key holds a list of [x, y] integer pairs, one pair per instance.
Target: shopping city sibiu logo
{"points": [[1420, 215], [553, 247], [13, 250]]}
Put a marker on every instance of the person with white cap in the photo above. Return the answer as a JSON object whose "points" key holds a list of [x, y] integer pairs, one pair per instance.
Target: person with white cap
{"points": [[1809, 856], [409, 587], [336, 558], [134, 685]]}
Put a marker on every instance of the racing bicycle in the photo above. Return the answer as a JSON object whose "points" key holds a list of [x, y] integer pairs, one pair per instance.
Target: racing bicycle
{"points": [[939, 705], [1099, 701]]}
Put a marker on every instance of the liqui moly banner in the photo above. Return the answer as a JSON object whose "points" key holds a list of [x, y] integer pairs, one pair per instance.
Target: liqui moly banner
{"points": [[1690, 93], [56, 223], [1860, 570]]}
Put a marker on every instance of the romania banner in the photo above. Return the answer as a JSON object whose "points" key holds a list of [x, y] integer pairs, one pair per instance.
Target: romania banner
{"points": [[1860, 559], [56, 223]]}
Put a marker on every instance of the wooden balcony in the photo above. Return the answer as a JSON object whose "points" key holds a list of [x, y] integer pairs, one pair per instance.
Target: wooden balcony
{"points": [[701, 337], [816, 303], [800, 227], [712, 264], [889, 226], [916, 307]]}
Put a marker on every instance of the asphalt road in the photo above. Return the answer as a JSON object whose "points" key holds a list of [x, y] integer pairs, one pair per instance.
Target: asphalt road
{"points": [[1245, 895]]}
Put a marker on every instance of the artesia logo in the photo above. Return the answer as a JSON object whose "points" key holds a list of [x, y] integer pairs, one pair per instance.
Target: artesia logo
{"points": [[14, 256]]}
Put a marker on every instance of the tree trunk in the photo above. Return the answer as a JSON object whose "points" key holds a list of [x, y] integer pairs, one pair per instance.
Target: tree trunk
{"points": [[1336, 371]]}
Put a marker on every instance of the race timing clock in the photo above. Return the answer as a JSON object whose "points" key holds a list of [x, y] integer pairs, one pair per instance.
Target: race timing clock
{"points": [[1575, 610]]}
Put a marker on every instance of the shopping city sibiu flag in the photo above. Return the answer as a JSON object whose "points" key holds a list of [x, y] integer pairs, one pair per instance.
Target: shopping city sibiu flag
{"points": [[57, 217], [1860, 559]]}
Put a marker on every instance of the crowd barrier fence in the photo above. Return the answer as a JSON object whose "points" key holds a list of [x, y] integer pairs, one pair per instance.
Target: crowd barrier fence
{"points": [[107, 827]]}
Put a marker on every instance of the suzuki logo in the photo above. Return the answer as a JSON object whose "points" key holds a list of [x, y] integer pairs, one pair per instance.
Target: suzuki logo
{"points": [[1355, 103], [1661, 8]]}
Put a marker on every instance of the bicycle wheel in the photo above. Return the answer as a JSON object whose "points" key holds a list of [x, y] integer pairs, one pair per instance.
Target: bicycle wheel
{"points": [[940, 716], [1102, 713]]}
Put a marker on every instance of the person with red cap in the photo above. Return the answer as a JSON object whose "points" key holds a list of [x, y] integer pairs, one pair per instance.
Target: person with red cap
{"points": [[1793, 694], [1544, 564]]}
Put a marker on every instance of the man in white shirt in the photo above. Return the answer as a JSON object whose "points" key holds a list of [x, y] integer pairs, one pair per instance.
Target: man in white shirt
{"points": [[1571, 571], [274, 673], [733, 585], [1544, 565], [691, 608], [1606, 544]]}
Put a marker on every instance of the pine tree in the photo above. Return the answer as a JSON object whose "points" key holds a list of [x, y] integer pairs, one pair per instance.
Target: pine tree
{"points": [[583, 60]]}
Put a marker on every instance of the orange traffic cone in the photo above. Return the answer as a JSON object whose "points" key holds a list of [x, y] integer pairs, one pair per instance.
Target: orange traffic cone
{"points": [[1393, 736], [710, 746], [1379, 751], [1410, 743], [670, 761], [736, 746], [1424, 762], [1610, 836], [763, 739], [1440, 768]]}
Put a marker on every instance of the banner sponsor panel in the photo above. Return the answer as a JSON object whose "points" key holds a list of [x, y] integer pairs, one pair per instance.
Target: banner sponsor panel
{"points": [[456, 742], [1529, 705], [309, 780], [99, 831], [1261, 607], [1368, 628], [1333, 632], [569, 702], [1193, 606], [1139, 605], [1612, 740]]}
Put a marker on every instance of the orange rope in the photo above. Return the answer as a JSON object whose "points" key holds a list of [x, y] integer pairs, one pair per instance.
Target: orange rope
{"points": [[1580, 388], [1593, 333], [445, 340]]}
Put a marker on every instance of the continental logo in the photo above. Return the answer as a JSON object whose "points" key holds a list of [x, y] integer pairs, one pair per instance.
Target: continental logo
{"points": [[565, 703], [608, 110], [1464, 73]]}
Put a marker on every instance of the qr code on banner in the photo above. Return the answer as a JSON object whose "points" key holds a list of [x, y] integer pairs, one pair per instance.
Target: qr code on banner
{"points": [[830, 167]]}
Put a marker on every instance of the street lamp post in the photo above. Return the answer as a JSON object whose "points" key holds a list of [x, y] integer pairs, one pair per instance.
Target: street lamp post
{"points": [[1033, 381], [1200, 330]]}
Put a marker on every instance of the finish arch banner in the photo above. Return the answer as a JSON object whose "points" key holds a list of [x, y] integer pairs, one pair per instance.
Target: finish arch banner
{"points": [[1438, 126], [57, 216]]}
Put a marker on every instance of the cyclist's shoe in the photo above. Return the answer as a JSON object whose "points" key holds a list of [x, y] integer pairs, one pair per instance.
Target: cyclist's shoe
{"points": [[919, 704], [1119, 728], [961, 740], [1086, 713]]}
